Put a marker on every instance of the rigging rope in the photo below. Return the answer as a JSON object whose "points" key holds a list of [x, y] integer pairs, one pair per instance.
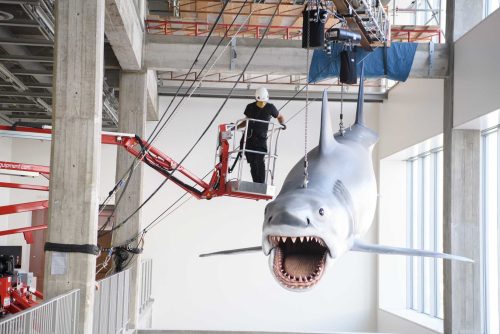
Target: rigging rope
{"points": [[208, 126], [125, 179]]}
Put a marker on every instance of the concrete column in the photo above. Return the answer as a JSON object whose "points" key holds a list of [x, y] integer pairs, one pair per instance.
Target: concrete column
{"points": [[462, 293], [132, 119], [461, 199], [76, 150], [468, 13]]}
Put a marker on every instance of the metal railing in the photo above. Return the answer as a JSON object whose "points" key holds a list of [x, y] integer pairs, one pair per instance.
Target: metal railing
{"points": [[58, 315], [146, 285], [270, 155], [111, 304]]}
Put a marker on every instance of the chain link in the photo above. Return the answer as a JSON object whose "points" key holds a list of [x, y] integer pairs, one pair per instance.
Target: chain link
{"points": [[341, 124], [306, 116]]}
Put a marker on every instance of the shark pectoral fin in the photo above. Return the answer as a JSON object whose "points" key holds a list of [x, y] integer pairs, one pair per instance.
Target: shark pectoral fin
{"points": [[360, 246], [234, 251]]}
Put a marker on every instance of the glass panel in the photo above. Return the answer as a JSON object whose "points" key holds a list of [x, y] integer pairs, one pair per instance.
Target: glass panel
{"points": [[439, 234], [415, 235], [427, 231], [491, 6]]}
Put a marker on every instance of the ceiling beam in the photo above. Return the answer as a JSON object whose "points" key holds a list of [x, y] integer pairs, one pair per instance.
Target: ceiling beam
{"points": [[20, 2], [23, 72], [125, 33], [26, 58], [26, 42], [32, 85], [275, 56], [18, 102], [32, 111], [26, 94], [249, 94], [19, 23]]}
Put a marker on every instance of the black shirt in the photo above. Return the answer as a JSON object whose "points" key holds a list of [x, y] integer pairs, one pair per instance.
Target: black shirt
{"points": [[258, 130]]}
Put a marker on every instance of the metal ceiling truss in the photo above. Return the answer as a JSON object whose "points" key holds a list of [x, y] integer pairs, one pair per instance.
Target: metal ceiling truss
{"points": [[22, 96]]}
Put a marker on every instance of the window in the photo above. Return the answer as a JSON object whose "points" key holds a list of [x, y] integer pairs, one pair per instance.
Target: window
{"points": [[490, 230], [490, 6], [424, 231]]}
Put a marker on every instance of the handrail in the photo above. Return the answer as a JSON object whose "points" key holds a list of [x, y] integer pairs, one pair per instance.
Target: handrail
{"points": [[58, 315], [111, 304], [146, 285]]}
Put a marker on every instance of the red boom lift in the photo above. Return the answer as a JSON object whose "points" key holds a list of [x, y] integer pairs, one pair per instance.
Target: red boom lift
{"points": [[219, 185], [14, 296]]}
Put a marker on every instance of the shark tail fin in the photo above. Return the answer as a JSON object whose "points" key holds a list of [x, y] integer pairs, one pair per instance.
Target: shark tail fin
{"points": [[360, 246], [360, 117], [234, 251], [326, 139]]}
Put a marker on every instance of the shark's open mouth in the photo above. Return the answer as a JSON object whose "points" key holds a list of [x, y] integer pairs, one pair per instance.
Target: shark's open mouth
{"points": [[298, 262]]}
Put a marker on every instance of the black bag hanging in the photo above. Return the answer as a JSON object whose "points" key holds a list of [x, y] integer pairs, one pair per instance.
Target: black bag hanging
{"points": [[313, 26], [348, 73]]}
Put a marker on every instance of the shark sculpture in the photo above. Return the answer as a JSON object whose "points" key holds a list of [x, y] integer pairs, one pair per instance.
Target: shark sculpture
{"points": [[307, 227]]}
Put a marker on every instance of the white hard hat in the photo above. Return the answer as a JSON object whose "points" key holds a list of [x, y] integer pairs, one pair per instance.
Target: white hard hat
{"points": [[261, 94]]}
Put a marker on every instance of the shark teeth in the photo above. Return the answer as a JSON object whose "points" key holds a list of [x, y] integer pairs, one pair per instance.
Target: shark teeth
{"points": [[276, 240], [299, 281]]}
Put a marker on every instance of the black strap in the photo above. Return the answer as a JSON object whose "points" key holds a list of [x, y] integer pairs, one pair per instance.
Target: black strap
{"points": [[71, 248]]}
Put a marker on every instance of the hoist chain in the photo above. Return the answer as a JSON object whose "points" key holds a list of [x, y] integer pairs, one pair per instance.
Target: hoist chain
{"points": [[341, 124], [306, 116]]}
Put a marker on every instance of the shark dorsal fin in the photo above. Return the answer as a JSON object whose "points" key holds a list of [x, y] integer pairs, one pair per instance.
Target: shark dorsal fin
{"points": [[360, 119], [326, 140]]}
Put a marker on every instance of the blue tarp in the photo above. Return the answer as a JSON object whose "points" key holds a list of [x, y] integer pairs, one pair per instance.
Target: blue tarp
{"points": [[399, 58]]}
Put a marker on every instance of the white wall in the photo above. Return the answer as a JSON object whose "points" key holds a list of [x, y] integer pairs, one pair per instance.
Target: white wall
{"points": [[31, 152], [238, 292], [5, 155], [477, 71], [37, 152], [413, 114]]}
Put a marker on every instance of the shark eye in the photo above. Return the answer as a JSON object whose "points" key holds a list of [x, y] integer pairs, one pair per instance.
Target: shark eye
{"points": [[321, 212]]}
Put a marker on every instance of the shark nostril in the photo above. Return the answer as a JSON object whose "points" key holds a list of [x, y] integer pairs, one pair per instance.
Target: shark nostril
{"points": [[308, 221], [269, 219]]}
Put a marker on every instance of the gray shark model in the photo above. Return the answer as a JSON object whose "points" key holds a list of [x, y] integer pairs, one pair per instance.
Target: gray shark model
{"points": [[308, 227]]}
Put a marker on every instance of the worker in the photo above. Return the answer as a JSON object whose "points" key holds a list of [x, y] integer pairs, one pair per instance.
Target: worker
{"points": [[256, 139]]}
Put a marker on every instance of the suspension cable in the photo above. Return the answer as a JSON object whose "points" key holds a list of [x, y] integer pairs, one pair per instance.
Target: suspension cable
{"points": [[125, 179], [164, 214], [207, 127]]}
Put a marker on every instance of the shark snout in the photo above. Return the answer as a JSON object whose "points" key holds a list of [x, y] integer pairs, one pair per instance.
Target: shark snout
{"points": [[295, 219]]}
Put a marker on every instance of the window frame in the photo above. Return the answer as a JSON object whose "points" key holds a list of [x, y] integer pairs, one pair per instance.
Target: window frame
{"points": [[424, 215]]}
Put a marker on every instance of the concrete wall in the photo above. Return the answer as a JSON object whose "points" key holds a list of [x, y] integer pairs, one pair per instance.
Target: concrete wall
{"points": [[476, 71], [238, 292]]}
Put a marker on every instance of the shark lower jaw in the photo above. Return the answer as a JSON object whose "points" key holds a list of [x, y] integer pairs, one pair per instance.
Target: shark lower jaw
{"points": [[298, 263]]}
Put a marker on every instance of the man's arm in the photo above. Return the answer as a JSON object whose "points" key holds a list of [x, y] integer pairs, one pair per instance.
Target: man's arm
{"points": [[281, 119], [242, 123]]}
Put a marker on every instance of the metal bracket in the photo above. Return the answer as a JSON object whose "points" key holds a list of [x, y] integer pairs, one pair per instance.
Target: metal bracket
{"points": [[431, 57], [233, 55]]}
